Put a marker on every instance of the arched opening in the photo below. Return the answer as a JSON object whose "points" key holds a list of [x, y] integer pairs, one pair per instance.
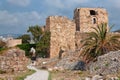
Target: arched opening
{"points": [[94, 21]]}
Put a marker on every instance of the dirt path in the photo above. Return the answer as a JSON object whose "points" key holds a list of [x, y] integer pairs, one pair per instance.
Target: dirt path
{"points": [[38, 75]]}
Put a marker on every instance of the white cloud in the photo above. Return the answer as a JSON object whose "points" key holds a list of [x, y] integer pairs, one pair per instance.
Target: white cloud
{"points": [[64, 3], [22, 3], [18, 19], [54, 3], [7, 19]]}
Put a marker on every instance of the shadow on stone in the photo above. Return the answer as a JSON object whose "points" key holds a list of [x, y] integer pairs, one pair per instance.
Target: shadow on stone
{"points": [[80, 66]]}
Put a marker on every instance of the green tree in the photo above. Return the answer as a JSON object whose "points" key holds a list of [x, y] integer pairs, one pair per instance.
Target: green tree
{"points": [[99, 42], [43, 45], [36, 32], [26, 48], [25, 38]]}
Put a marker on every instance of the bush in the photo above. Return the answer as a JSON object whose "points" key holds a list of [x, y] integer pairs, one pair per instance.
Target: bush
{"points": [[2, 72], [1, 49], [26, 48], [43, 45], [25, 38]]}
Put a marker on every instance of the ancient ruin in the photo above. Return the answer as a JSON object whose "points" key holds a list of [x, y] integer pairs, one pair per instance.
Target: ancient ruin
{"points": [[13, 60], [10, 41], [62, 34], [66, 34], [86, 18]]}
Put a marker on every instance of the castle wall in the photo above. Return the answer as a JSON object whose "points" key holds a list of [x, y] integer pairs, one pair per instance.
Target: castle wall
{"points": [[66, 34], [62, 34], [86, 18], [13, 42]]}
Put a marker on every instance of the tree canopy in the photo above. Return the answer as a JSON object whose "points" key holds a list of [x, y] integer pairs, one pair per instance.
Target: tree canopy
{"points": [[25, 38], [36, 32]]}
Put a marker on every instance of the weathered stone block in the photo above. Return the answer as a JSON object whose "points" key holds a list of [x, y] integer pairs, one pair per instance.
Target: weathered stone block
{"points": [[62, 34]]}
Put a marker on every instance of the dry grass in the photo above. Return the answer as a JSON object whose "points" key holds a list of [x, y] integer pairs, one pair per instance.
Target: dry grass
{"points": [[16, 76], [77, 75], [68, 75]]}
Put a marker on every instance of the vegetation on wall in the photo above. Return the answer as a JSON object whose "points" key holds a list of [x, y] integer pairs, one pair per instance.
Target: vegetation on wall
{"points": [[99, 42]]}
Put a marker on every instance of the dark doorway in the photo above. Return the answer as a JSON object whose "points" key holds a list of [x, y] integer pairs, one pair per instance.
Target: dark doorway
{"points": [[94, 20]]}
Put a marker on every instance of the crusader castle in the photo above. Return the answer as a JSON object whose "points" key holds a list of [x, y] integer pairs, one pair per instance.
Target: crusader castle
{"points": [[66, 34]]}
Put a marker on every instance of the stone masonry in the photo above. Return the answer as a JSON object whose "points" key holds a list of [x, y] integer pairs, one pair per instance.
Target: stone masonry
{"points": [[86, 18], [13, 60], [13, 42], [62, 34], [66, 34]]}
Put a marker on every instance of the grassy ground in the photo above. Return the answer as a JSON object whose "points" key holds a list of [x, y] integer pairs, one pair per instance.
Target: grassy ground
{"points": [[16, 76], [50, 76], [21, 76]]}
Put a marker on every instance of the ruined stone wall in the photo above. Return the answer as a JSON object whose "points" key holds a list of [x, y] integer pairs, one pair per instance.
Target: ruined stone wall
{"points": [[85, 18], [13, 60], [13, 42], [62, 34]]}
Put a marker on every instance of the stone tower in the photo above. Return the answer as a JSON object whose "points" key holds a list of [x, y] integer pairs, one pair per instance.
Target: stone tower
{"points": [[66, 34], [62, 34], [85, 18]]}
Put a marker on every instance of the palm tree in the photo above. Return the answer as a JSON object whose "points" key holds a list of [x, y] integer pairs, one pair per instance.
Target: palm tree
{"points": [[99, 42]]}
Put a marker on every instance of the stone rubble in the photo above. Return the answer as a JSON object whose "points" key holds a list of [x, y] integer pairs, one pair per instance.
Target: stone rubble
{"points": [[13, 60], [106, 64]]}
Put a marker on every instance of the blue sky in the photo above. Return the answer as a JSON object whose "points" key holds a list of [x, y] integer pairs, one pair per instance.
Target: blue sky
{"points": [[17, 15]]}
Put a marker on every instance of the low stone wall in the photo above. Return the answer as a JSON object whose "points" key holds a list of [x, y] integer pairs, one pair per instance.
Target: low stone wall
{"points": [[13, 60], [13, 42]]}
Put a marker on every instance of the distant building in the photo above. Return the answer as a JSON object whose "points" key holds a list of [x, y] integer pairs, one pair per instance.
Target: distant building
{"points": [[13, 42], [10, 42]]}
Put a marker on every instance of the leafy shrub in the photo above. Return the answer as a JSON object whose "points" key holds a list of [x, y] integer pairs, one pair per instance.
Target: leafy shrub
{"points": [[2, 72], [1, 49], [25, 38], [42, 46], [26, 48]]}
